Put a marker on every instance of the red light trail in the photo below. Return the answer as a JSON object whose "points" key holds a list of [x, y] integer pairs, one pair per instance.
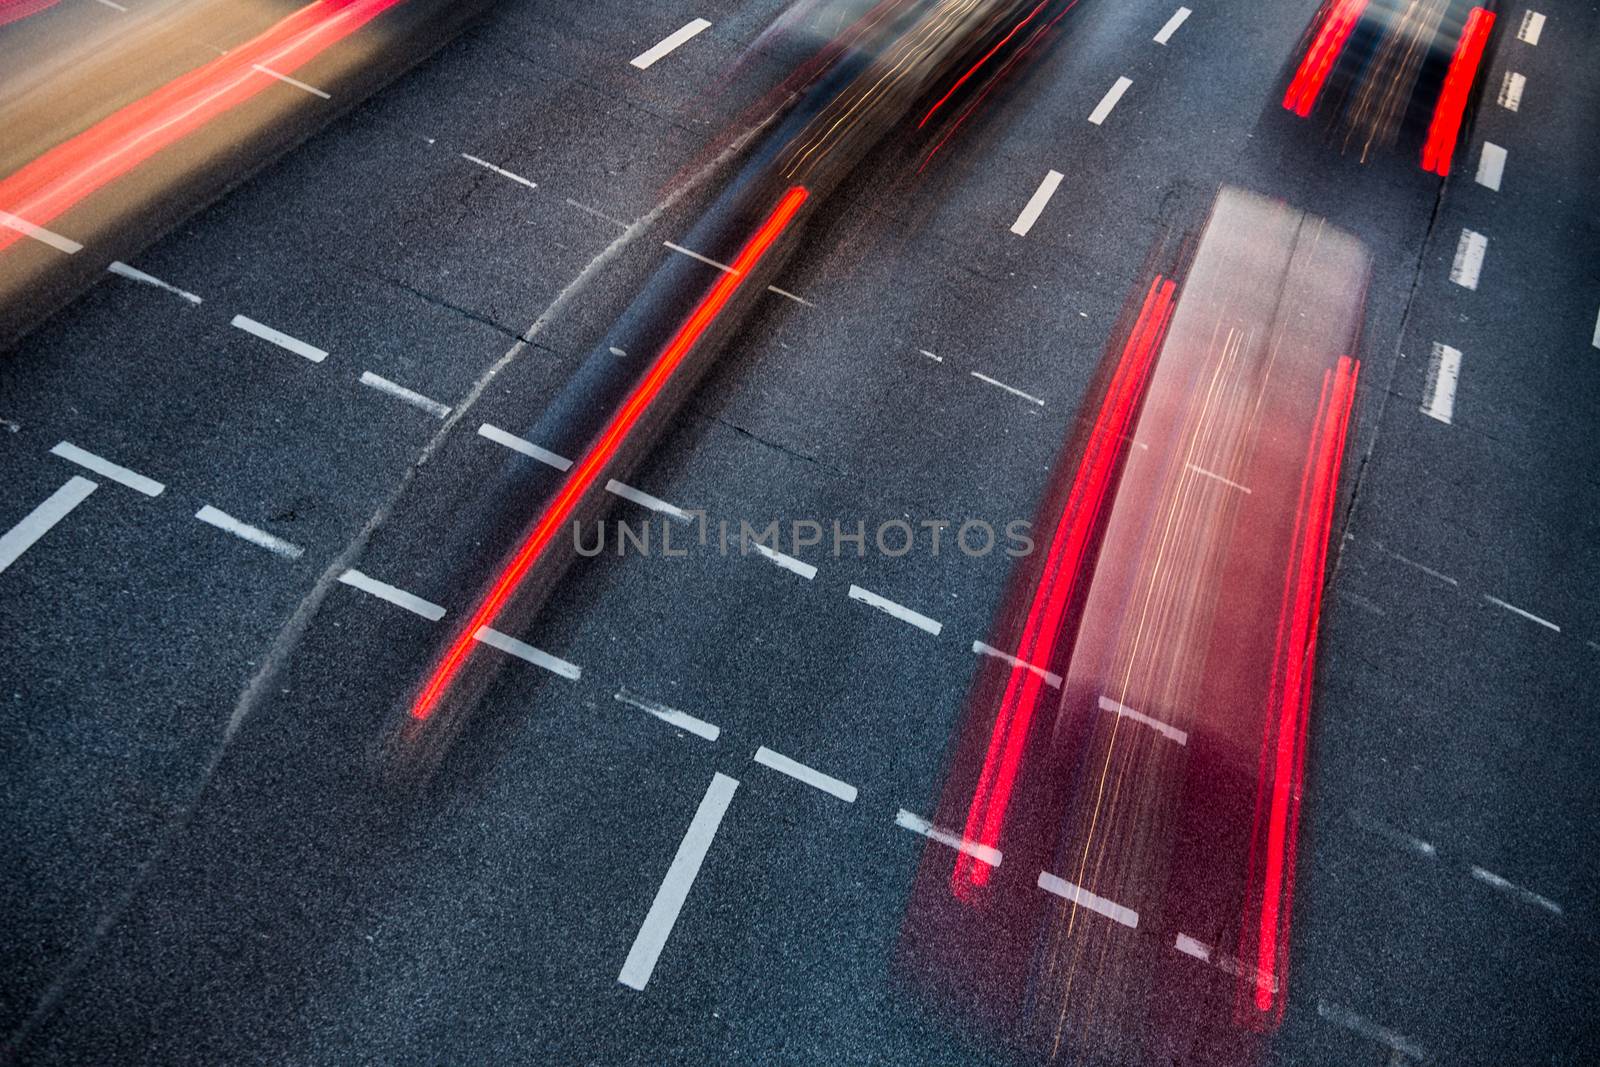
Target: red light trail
{"points": [[1447, 113], [1314, 69]]}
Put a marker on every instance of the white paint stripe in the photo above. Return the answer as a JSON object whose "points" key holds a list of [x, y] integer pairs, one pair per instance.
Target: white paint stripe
{"points": [[800, 772], [1597, 331], [1035, 205], [930, 355], [113, 5], [672, 716], [519, 179], [88, 460], [134, 274], [1511, 90], [1468, 263], [536, 656], [1190, 947], [1085, 899], [36, 523], [1404, 840], [1368, 1029], [1532, 26], [1178, 19], [400, 392], [899, 611], [1109, 101], [644, 499], [707, 260], [788, 563], [1530, 616], [527, 448], [279, 338], [296, 82], [1213, 474], [1170, 732], [1051, 678], [40, 234], [393, 594], [663, 914], [260, 538], [597, 214], [1361, 602], [791, 296], [1491, 166], [650, 55], [1527, 895], [918, 825], [1443, 371], [1013, 391], [1429, 571]]}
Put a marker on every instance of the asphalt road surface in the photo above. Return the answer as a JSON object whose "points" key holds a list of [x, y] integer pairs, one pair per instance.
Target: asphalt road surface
{"points": [[200, 862]]}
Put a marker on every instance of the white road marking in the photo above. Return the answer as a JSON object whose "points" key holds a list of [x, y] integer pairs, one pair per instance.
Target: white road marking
{"points": [[1172, 25], [672, 716], [1189, 946], [1013, 391], [1429, 571], [484, 163], [1227, 964], [400, 392], [536, 656], [258, 537], [658, 922], [1530, 616], [645, 500], [1085, 899], [279, 338], [296, 82], [1468, 263], [88, 460], [899, 611], [1532, 26], [527, 448], [1361, 602], [1051, 678], [1109, 101], [597, 214], [113, 5], [650, 55], [791, 296], [1368, 1029], [1404, 840], [940, 359], [39, 233], [918, 825], [1213, 474], [801, 773], [1035, 205], [134, 274], [393, 594], [1597, 331], [1443, 371], [1491, 166], [788, 563], [1511, 90], [36, 523], [707, 260], [1169, 732]]}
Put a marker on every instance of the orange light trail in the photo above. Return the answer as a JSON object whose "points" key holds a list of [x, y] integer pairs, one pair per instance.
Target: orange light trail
{"points": [[1440, 147], [1314, 69]]}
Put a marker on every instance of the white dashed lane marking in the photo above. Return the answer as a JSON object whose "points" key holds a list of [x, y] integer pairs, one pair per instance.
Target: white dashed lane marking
{"points": [[1468, 264], [296, 82], [524, 651], [1511, 88], [1084, 899], [121, 269], [787, 562], [38, 522], [1443, 371], [39, 233], [1530, 616], [661, 48], [105, 468], [1229, 482], [1102, 110], [1172, 733], [918, 825], [1370, 1030], [1172, 25], [527, 448], [400, 392], [692, 254], [258, 537], [1491, 166], [393, 594], [486, 165], [1489, 878], [1035, 205], [1010, 389], [645, 500], [671, 716], [899, 611], [1050, 678], [279, 338], [1532, 26], [801, 773]]}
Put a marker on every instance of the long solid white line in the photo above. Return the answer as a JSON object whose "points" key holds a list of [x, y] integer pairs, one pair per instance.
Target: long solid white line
{"points": [[645, 500], [1109, 101], [296, 82], [527, 448], [899, 611], [1443, 370], [1528, 895], [1511, 90], [279, 338], [672, 40], [787, 562], [1051, 678], [88, 460], [39, 233], [1530, 616], [1035, 205], [672, 716], [664, 909], [1468, 263], [519, 179], [260, 538], [800, 772], [1370, 1030], [1491, 166], [536, 656], [918, 825], [1083, 898], [1170, 732], [1030, 398], [134, 274], [1532, 26], [36, 523], [1172, 25], [692, 254], [393, 594], [400, 392], [1213, 474]]}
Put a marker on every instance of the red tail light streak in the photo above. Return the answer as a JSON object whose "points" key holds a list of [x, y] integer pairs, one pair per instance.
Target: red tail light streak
{"points": [[13, 10], [986, 57], [1440, 146], [585, 475], [1337, 25]]}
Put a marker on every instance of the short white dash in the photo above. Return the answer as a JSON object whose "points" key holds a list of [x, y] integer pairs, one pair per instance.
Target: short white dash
{"points": [[674, 890], [89, 461], [645, 500], [134, 274], [597, 214], [1050, 678], [1213, 474], [1468, 264], [400, 392], [672, 716], [1170, 732], [1429, 571], [1172, 25], [279, 338], [38, 522], [113, 5], [258, 537], [484, 163], [527, 448], [1190, 947], [1491, 166], [393, 594], [1532, 26], [1368, 1029], [523, 651], [1511, 90], [791, 296], [707, 260], [788, 563], [1398, 837], [899, 611], [1597, 331], [800, 772], [1109, 101], [940, 359], [615, 351], [1361, 602], [1085, 899], [1035, 205], [39, 233], [1443, 370], [1010, 389], [985, 854], [296, 82], [656, 51], [1530, 616]]}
